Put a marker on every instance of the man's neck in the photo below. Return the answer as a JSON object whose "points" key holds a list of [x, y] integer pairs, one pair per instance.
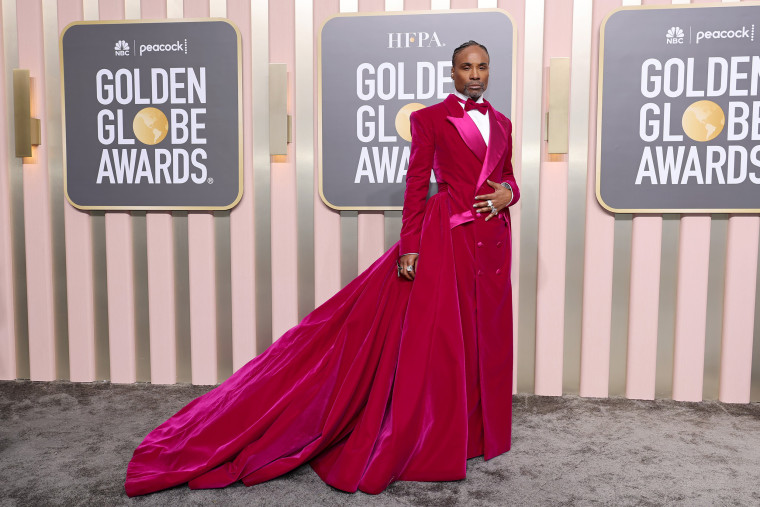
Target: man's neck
{"points": [[465, 97]]}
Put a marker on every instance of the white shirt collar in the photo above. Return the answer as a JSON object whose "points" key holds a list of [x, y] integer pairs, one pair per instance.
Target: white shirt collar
{"points": [[464, 97]]}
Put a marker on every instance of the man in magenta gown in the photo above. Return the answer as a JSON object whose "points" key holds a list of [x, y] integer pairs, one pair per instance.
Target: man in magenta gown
{"points": [[407, 371]]}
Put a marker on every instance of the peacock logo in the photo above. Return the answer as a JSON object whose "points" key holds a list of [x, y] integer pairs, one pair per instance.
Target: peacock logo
{"points": [[121, 48], [674, 35]]}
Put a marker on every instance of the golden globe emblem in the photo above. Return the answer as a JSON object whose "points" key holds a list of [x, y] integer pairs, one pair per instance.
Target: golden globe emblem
{"points": [[150, 126], [402, 119], [703, 120]]}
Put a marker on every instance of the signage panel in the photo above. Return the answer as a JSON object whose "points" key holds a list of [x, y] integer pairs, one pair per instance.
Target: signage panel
{"points": [[374, 71], [679, 116], [152, 114]]}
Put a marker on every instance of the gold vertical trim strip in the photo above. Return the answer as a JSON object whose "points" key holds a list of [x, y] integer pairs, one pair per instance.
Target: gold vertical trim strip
{"points": [[621, 287], [716, 282], [666, 326], [54, 148], [392, 227], [578, 138], [140, 284], [100, 296], [16, 205], [666, 322], [304, 150], [349, 240], [182, 296], [530, 166], [621, 296], [223, 275], [261, 168], [754, 389]]}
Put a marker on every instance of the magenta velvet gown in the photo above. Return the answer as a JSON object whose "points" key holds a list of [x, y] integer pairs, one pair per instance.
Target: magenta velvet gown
{"points": [[380, 383]]}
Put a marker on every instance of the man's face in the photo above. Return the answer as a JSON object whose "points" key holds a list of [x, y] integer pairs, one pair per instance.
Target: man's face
{"points": [[470, 72]]}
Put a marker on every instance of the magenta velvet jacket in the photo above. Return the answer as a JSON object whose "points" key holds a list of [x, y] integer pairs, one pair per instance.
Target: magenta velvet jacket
{"points": [[449, 142], [371, 387]]}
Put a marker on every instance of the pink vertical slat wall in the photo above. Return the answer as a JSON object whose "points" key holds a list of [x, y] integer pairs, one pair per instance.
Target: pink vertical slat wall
{"points": [[283, 182], [37, 218], [326, 221], [599, 242], [641, 308], [738, 306], [79, 263], [241, 216], [552, 222], [691, 309], [7, 308]]}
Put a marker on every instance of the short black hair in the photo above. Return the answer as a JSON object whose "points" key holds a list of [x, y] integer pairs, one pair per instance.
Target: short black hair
{"points": [[464, 46]]}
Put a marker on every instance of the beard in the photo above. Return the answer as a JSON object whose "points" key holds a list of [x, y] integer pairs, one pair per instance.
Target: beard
{"points": [[473, 93]]}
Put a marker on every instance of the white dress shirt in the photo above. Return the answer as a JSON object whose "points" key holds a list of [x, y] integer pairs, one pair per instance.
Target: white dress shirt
{"points": [[483, 123], [481, 120]]}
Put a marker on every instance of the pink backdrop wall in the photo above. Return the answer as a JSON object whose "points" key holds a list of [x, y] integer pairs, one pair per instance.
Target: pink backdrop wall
{"points": [[685, 347]]}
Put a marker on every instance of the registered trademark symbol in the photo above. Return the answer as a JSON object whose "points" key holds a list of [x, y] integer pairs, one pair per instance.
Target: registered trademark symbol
{"points": [[210, 180]]}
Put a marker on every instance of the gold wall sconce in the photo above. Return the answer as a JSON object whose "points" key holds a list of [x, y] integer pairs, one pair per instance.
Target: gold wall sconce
{"points": [[280, 122], [559, 106], [27, 129]]}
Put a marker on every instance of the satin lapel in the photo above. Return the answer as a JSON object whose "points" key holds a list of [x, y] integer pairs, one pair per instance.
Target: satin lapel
{"points": [[467, 129], [497, 143], [470, 134]]}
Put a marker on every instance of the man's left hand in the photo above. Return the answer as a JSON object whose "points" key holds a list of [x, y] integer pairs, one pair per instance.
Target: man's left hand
{"points": [[500, 197]]}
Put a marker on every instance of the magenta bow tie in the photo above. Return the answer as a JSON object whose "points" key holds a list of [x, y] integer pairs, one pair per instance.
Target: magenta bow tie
{"points": [[482, 107]]}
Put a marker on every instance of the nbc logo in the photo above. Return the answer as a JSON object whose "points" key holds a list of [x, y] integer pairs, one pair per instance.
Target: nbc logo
{"points": [[674, 35], [121, 48]]}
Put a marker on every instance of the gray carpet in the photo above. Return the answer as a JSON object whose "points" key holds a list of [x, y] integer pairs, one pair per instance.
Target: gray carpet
{"points": [[69, 444]]}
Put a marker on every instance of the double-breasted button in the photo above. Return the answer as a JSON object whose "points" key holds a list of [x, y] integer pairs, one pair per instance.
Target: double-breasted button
{"points": [[480, 243], [498, 271], [480, 272], [498, 243]]}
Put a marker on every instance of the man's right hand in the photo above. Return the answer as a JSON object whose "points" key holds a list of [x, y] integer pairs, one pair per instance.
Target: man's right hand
{"points": [[408, 260]]}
